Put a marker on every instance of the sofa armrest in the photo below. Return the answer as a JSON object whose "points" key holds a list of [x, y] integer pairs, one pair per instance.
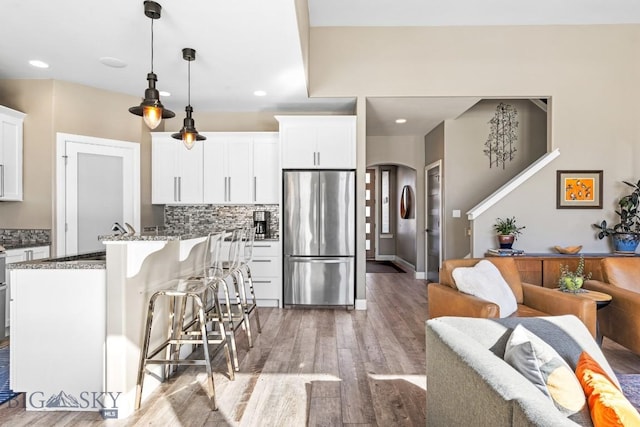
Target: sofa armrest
{"points": [[446, 301], [557, 303], [620, 319]]}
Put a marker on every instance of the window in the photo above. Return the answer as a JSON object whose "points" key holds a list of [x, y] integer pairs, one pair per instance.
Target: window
{"points": [[384, 217]]}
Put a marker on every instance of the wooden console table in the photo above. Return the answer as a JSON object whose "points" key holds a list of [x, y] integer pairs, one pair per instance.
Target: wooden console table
{"points": [[544, 269]]}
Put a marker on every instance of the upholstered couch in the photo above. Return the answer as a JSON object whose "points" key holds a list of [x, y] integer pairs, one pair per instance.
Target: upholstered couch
{"points": [[620, 320], [469, 383], [444, 299]]}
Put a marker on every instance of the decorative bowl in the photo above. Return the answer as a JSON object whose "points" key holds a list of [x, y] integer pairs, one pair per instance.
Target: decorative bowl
{"points": [[568, 249]]}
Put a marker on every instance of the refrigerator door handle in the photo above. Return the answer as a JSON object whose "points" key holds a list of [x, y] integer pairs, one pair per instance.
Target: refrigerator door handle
{"points": [[317, 260], [321, 214]]}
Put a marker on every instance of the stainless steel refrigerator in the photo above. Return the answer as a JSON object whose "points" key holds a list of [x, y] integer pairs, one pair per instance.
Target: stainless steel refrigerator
{"points": [[318, 232]]}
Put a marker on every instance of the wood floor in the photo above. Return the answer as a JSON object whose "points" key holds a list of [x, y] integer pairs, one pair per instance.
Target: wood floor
{"points": [[308, 367]]}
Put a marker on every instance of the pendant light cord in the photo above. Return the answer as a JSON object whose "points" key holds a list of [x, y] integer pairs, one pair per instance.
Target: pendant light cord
{"points": [[189, 83], [152, 44]]}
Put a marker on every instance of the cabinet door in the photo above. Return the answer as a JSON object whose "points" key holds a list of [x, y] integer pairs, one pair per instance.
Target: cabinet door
{"points": [[40, 252], [10, 157], [298, 147], [164, 177], [265, 170], [190, 164], [239, 167], [176, 173], [15, 255], [336, 146], [215, 181]]}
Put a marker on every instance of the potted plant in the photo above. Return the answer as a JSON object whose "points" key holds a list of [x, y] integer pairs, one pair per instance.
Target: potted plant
{"points": [[626, 233], [571, 281], [508, 231]]}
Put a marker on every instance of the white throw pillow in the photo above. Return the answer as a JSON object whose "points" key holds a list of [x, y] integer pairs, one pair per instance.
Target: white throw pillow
{"points": [[485, 281], [541, 364]]}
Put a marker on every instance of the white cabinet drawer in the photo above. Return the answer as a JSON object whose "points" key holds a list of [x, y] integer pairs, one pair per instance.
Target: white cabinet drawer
{"points": [[267, 289], [265, 267], [266, 249]]}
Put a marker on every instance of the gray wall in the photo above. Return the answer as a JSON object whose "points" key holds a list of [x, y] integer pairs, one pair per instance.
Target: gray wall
{"points": [[467, 177], [404, 151], [406, 227]]}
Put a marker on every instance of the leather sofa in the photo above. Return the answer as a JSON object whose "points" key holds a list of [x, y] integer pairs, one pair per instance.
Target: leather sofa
{"points": [[620, 320], [444, 299]]}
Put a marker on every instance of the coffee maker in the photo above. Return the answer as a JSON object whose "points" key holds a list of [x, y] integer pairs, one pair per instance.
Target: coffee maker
{"points": [[261, 224]]}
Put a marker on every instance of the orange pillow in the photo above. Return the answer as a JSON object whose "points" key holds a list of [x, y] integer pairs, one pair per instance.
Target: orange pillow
{"points": [[606, 402]]}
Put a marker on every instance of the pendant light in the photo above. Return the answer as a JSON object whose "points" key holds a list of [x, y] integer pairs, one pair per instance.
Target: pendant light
{"points": [[151, 109], [188, 134]]}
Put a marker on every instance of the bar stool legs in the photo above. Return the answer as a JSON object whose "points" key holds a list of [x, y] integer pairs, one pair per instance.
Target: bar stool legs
{"points": [[191, 290]]}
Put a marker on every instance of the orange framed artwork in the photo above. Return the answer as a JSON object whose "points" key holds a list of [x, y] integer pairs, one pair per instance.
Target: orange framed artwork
{"points": [[579, 190]]}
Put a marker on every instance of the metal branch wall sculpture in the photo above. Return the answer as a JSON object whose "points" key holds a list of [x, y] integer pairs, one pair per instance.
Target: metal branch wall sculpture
{"points": [[500, 145]]}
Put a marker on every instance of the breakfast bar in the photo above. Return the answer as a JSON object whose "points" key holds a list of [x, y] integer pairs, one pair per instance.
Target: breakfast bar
{"points": [[88, 313]]}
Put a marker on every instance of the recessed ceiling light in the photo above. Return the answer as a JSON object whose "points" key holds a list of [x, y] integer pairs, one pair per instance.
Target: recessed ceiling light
{"points": [[401, 121], [164, 93], [260, 93], [38, 64], [110, 61]]}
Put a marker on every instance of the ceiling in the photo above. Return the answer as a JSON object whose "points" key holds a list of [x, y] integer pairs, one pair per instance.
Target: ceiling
{"points": [[244, 46]]}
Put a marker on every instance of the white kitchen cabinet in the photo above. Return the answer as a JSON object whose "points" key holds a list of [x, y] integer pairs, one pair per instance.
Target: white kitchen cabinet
{"points": [[266, 272], [11, 131], [241, 167], [176, 172], [266, 169], [318, 142], [20, 255]]}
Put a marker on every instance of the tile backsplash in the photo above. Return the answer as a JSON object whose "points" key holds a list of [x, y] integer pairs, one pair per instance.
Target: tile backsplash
{"points": [[19, 236], [189, 219]]}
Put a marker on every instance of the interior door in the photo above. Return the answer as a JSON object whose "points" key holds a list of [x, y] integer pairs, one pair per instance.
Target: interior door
{"points": [[370, 208], [98, 184], [433, 211]]}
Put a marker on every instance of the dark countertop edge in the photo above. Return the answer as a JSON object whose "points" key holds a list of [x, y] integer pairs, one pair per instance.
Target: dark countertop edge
{"points": [[9, 246], [148, 237], [58, 265], [87, 260]]}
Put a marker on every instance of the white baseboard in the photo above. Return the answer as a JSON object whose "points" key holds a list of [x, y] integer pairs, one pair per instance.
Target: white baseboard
{"points": [[385, 258], [361, 304], [420, 275]]}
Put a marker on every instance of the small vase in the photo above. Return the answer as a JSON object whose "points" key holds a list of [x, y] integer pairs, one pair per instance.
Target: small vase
{"points": [[506, 240], [625, 243]]}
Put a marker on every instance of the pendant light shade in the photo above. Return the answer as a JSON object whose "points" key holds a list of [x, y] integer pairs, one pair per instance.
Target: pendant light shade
{"points": [[151, 109], [188, 134]]}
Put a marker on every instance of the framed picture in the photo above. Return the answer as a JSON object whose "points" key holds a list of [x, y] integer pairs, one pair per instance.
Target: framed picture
{"points": [[579, 189]]}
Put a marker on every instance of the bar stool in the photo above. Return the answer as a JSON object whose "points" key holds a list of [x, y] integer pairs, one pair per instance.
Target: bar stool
{"points": [[178, 291], [231, 309], [233, 270], [211, 277], [245, 272]]}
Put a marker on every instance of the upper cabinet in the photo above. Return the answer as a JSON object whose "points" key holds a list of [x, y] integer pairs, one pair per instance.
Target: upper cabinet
{"points": [[241, 167], [318, 142], [11, 154], [176, 172]]}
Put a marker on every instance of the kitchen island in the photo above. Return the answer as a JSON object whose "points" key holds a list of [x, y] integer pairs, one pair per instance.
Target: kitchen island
{"points": [[77, 323]]}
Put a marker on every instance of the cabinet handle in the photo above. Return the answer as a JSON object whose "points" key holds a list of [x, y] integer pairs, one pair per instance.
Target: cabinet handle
{"points": [[261, 260], [318, 158], [262, 281], [314, 158], [254, 189], [229, 181], [179, 188], [261, 246], [175, 190], [2, 182], [225, 188]]}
